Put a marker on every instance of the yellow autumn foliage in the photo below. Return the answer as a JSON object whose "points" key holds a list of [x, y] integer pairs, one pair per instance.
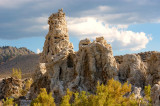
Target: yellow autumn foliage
{"points": [[16, 73], [8, 102], [112, 94], [43, 99]]}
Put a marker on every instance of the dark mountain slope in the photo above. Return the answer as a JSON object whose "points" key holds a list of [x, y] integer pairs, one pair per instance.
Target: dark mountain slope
{"points": [[27, 63], [7, 53]]}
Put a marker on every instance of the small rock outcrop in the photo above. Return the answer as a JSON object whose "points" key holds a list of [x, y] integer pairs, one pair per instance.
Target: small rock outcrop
{"points": [[153, 70], [155, 95], [10, 87], [133, 70], [140, 70], [137, 92], [61, 67]]}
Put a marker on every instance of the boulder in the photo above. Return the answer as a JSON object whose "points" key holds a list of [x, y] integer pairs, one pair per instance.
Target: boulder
{"points": [[10, 87]]}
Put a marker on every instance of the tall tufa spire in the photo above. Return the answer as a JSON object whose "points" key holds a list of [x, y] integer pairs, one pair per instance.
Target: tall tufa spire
{"points": [[57, 38]]}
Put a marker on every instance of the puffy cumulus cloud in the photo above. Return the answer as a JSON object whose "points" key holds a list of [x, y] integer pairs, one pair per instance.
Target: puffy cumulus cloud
{"points": [[120, 39], [38, 51]]}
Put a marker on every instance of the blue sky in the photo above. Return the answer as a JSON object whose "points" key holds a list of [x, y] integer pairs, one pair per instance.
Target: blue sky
{"points": [[130, 26]]}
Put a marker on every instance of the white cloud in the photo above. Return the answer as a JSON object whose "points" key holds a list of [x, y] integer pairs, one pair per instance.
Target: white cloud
{"points": [[38, 51], [91, 27]]}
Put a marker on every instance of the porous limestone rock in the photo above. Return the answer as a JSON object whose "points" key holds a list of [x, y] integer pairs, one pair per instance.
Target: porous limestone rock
{"points": [[61, 68], [155, 95], [143, 55], [57, 38], [133, 70], [94, 62], [10, 87], [140, 70], [137, 92], [153, 72]]}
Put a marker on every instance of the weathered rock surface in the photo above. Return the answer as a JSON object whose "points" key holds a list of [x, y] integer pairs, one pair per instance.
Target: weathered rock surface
{"points": [[137, 92], [155, 95], [143, 55], [10, 87], [133, 70], [153, 71], [57, 39], [140, 69]]}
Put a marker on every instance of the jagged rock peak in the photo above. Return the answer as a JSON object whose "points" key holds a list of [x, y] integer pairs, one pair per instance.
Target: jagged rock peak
{"points": [[57, 39], [61, 68]]}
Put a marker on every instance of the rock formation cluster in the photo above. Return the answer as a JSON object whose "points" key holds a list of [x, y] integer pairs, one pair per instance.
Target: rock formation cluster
{"points": [[61, 67], [142, 66], [155, 95], [141, 70]]}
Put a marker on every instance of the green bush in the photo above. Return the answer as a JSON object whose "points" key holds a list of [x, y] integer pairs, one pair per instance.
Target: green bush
{"points": [[43, 99], [66, 98], [8, 102], [147, 97], [112, 94], [27, 86], [16, 73]]}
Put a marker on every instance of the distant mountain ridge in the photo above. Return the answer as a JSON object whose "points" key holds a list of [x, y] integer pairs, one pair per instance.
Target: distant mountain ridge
{"points": [[7, 53]]}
